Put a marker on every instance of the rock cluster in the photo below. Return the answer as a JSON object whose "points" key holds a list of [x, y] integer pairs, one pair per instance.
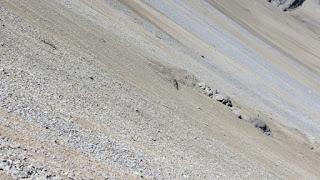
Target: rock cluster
{"points": [[225, 100], [216, 95]]}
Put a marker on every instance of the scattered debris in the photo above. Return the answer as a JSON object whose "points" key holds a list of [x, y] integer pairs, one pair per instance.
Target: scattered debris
{"points": [[15, 161]]}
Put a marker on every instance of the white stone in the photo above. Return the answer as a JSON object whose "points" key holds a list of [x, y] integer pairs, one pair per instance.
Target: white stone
{"points": [[219, 97]]}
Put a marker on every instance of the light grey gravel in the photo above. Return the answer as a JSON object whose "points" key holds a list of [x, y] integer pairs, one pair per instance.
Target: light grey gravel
{"points": [[52, 86]]}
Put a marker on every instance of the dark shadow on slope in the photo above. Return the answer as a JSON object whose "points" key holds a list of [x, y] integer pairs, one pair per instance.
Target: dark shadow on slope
{"points": [[295, 5]]}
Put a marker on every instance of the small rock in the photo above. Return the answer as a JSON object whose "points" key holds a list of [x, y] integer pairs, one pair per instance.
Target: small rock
{"points": [[1, 44], [56, 141], [208, 91], [262, 126], [226, 101], [202, 85], [223, 99], [176, 84], [237, 112]]}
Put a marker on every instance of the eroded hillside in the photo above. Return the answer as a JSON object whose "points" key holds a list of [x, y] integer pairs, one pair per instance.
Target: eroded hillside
{"points": [[135, 89]]}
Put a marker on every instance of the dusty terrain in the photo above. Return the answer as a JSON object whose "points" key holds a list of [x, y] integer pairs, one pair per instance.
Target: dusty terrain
{"points": [[149, 89]]}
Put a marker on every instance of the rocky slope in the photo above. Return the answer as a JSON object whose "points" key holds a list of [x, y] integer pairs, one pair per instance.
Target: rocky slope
{"points": [[147, 89]]}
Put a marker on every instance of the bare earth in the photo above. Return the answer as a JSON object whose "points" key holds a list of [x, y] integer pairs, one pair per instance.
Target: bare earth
{"points": [[151, 89]]}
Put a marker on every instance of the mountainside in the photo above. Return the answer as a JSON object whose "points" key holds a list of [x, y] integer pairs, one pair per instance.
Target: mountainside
{"points": [[150, 89]]}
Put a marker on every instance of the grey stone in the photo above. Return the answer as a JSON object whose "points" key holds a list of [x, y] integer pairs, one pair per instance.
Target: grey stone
{"points": [[219, 97], [226, 101], [262, 126], [202, 85], [208, 92]]}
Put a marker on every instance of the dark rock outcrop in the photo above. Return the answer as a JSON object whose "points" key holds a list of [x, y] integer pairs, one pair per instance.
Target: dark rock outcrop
{"points": [[288, 4]]}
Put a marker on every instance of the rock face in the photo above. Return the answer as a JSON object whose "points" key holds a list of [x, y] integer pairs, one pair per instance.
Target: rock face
{"points": [[288, 4]]}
